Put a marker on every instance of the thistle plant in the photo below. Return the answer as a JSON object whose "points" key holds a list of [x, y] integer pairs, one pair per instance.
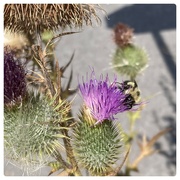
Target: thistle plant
{"points": [[129, 59], [97, 148], [32, 132], [39, 129], [102, 98], [97, 140], [37, 22], [123, 35], [33, 18]]}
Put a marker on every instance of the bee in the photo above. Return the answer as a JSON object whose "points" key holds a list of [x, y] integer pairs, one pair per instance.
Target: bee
{"points": [[130, 88]]}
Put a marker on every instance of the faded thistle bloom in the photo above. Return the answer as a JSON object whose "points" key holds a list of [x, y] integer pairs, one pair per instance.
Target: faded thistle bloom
{"points": [[30, 18], [103, 98], [128, 59], [14, 79], [123, 35]]}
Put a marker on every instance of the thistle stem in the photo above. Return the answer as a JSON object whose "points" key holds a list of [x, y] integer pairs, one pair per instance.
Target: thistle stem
{"points": [[134, 165], [70, 154], [132, 78], [117, 170], [61, 160], [41, 54]]}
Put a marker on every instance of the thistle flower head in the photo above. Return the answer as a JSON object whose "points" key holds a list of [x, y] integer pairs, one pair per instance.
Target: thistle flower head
{"points": [[123, 34], [30, 18], [32, 132], [14, 78], [97, 149], [102, 98], [130, 60]]}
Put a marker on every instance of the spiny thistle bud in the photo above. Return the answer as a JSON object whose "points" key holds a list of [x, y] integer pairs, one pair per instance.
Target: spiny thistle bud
{"points": [[32, 132], [103, 99], [123, 35], [30, 18], [97, 148], [14, 79], [130, 60]]}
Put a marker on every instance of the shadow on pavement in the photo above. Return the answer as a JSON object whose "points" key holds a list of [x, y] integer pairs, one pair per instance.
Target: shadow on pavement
{"points": [[151, 18]]}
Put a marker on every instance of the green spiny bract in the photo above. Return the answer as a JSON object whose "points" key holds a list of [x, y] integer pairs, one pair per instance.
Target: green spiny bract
{"points": [[32, 132], [97, 148], [130, 60]]}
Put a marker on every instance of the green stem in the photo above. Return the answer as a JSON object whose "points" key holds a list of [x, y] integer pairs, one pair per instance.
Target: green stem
{"points": [[70, 154], [61, 160], [69, 150], [132, 78]]}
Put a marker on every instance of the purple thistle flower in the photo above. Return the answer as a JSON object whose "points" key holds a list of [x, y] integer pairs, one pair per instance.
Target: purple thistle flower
{"points": [[104, 99], [14, 79]]}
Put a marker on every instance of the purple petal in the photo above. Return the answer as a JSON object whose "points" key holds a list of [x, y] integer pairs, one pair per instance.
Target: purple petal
{"points": [[104, 99]]}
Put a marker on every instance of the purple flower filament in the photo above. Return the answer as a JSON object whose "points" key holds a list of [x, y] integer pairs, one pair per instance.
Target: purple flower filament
{"points": [[104, 99]]}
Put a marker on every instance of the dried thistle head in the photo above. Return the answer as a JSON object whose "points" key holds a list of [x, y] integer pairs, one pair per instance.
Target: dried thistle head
{"points": [[32, 18], [14, 78], [15, 40], [123, 34]]}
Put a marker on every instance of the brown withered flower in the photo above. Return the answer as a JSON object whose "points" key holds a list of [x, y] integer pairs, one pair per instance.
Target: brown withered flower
{"points": [[32, 18], [123, 35]]}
